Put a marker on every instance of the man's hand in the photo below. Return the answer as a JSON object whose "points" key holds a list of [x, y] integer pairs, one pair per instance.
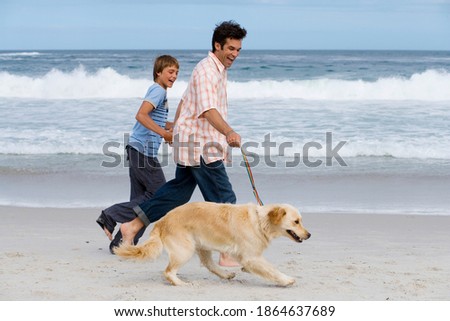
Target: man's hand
{"points": [[169, 125], [233, 139]]}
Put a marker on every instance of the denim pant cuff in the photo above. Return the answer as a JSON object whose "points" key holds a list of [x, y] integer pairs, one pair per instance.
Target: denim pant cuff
{"points": [[140, 213]]}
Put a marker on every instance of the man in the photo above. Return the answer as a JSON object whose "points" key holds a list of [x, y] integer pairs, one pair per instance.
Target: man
{"points": [[201, 136]]}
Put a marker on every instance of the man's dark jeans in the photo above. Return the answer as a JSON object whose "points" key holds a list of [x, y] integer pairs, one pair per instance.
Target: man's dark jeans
{"points": [[211, 178]]}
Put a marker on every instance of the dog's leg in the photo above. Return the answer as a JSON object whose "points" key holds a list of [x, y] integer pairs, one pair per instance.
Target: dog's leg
{"points": [[264, 269], [208, 262], [179, 253]]}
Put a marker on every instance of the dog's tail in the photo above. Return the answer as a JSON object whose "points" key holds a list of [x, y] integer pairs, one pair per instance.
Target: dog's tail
{"points": [[150, 249]]}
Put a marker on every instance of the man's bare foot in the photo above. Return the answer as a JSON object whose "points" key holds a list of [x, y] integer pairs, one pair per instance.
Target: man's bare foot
{"points": [[227, 261], [130, 229], [108, 233]]}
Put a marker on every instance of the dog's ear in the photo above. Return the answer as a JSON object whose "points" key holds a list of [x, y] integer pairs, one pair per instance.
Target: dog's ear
{"points": [[276, 215]]}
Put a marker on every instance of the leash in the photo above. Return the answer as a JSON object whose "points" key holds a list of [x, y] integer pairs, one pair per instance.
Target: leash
{"points": [[250, 176]]}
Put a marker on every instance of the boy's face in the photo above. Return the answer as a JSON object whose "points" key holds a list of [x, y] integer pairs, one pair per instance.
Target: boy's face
{"points": [[229, 52], [167, 77]]}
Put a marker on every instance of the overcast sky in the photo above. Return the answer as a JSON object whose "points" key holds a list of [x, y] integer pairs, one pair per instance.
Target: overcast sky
{"points": [[188, 24]]}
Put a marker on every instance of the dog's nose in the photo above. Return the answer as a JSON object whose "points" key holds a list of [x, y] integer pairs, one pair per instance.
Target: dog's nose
{"points": [[308, 235]]}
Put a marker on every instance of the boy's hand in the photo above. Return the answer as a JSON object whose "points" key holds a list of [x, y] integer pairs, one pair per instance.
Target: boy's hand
{"points": [[168, 136]]}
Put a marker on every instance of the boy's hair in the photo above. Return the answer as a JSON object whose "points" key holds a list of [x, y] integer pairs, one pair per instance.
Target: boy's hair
{"points": [[162, 62], [227, 29]]}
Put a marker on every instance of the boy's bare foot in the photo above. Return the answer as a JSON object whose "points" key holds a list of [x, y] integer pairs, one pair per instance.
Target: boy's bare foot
{"points": [[227, 261], [130, 229]]}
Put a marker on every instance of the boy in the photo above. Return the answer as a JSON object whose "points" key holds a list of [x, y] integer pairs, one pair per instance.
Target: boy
{"points": [[146, 175]]}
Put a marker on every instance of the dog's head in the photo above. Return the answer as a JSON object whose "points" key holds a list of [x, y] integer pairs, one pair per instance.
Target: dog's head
{"points": [[286, 220]]}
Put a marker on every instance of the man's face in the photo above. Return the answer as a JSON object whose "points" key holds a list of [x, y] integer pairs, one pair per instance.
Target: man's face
{"points": [[229, 52]]}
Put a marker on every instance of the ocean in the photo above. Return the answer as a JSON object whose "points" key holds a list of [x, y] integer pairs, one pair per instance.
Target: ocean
{"points": [[327, 131]]}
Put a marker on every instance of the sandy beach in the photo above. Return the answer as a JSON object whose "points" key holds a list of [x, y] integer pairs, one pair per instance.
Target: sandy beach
{"points": [[52, 254]]}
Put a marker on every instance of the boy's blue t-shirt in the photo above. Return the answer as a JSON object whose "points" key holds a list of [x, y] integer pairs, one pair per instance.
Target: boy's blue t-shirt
{"points": [[142, 139]]}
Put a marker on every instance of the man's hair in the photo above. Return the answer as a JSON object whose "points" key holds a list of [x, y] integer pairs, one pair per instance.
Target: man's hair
{"points": [[162, 62], [227, 29]]}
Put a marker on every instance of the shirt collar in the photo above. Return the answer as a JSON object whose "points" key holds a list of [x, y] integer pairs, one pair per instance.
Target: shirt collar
{"points": [[216, 60]]}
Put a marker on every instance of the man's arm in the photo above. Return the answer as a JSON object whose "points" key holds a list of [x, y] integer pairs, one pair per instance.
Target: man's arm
{"points": [[217, 121]]}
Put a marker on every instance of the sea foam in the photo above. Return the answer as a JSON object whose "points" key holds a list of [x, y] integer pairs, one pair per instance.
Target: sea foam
{"points": [[430, 85]]}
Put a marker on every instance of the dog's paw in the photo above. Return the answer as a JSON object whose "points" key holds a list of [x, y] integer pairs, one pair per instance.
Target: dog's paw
{"points": [[174, 280], [229, 276], [287, 282], [178, 282]]}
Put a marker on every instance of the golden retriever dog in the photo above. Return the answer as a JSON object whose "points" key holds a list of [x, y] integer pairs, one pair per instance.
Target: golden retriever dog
{"points": [[243, 231]]}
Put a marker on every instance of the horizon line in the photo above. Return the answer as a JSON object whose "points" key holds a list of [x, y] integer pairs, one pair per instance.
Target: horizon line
{"points": [[208, 49]]}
